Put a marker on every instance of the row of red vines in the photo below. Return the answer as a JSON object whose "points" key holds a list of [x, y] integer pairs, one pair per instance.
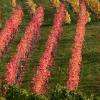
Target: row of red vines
{"points": [[75, 61], [10, 28], [40, 80], [14, 71], [13, 74]]}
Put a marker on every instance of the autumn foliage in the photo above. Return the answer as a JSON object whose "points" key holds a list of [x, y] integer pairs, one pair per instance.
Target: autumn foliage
{"points": [[14, 69], [10, 28], [75, 61], [40, 80]]}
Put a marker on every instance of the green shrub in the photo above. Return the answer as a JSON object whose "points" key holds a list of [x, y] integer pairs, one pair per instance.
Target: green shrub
{"points": [[59, 93], [14, 93]]}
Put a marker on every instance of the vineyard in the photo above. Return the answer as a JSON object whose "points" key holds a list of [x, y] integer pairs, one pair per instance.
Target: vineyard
{"points": [[49, 50]]}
